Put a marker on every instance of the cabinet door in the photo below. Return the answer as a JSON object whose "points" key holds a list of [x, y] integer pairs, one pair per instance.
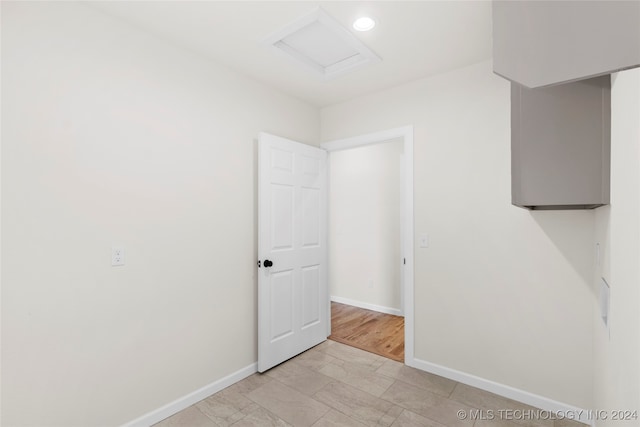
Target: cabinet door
{"points": [[560, 145]]}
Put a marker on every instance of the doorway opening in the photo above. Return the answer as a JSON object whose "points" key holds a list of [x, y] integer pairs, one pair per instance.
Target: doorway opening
{"points": [[371, 242]]}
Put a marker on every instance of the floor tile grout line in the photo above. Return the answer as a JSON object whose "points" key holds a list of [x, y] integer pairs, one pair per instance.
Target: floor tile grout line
{"points": [[332, 380], [438, 395], [213, 420], [349, 416], [395, 380], [454, 389], [397, 416], [360, 390], [288, 386], [387, 388]]}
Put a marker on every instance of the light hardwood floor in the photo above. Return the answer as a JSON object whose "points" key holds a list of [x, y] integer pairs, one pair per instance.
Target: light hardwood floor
{"points": [[379, 333], [336, 385]]}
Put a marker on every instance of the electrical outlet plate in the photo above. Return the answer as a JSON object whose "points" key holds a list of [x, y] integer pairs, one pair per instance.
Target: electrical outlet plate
{"points": [[117, 256]]}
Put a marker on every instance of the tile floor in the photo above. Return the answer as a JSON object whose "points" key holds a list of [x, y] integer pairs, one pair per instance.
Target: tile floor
{"points": [[336, 385]]}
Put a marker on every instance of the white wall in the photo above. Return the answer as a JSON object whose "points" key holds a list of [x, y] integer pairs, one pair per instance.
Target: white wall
{"points": [[111, 136], [617, 349], [501, 293], [364, 224]]}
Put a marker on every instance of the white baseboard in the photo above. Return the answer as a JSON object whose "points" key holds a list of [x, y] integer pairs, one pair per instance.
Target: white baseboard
{"points": [[367, 306], [562, 409], [184, 402]]}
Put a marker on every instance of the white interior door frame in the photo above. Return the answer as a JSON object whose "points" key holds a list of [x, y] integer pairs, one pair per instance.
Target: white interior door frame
{"points": [[406, 133]]}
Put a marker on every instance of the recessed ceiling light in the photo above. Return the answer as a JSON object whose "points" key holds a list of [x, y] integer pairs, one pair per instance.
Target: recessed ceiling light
{"points": [[364, 24]]}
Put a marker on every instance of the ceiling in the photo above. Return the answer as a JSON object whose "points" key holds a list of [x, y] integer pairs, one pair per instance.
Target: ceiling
{"points": [[415, 39]]}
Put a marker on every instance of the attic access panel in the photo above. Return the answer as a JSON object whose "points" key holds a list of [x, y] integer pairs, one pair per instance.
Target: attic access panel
{"points": [[321, 44]]}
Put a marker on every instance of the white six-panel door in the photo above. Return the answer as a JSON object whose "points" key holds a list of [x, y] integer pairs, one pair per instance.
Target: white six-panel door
{"points": [[292, 249]]}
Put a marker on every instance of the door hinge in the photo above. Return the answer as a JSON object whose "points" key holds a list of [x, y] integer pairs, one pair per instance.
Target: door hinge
{"points": [[404, 260]]}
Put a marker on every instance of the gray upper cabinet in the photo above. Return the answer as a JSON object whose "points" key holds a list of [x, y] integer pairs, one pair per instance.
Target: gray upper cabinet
{"points": [[542, 43], [560, 145]]}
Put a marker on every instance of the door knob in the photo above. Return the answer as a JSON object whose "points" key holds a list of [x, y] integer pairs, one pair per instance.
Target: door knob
{"points": [[268, 263]]}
